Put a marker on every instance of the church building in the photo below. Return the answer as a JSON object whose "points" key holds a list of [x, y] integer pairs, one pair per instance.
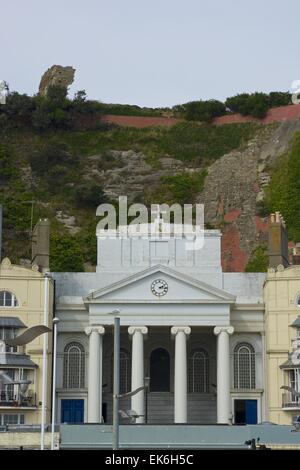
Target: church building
{"points": [[196, 332]]}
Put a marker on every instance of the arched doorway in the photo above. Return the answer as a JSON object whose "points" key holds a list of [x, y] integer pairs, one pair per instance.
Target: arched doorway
{"points": [[160, 370]]}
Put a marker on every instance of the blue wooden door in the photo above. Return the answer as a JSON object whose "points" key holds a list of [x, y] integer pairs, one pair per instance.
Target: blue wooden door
{"points": [[72, 411], [251, 411]]}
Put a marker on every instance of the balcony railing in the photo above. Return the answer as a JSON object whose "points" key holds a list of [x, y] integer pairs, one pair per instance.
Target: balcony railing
{"points": [[9, 399], [290, 401]]}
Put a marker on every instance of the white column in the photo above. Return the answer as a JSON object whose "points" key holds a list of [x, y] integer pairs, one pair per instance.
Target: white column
{"points": [[223, 373], [180, 379], [137, 369], [95, 374]]}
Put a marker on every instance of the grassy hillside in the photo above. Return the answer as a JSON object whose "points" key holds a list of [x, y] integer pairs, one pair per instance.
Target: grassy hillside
{"points": [[51, 167]]}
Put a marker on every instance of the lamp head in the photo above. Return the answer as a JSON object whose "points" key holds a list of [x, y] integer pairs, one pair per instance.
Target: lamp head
{"points": [[116, 311]]}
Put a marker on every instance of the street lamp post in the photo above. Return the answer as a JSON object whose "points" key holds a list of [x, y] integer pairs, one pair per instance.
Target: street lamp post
{"points": [[55, 322], [116, 388], [44, 371]]}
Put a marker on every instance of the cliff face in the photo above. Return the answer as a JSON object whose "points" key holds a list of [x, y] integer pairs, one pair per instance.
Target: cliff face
{"points": [[233, 192], [68, 173]]}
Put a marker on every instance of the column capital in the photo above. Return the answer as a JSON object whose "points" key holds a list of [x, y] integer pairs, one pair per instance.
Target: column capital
{"points": [[177, 329], [141, 329], [97, 328], [227, 329]]}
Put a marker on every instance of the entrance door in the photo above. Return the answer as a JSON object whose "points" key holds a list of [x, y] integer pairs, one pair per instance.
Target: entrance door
{"points": [[245, 411], [72, 411], [159, 370]]}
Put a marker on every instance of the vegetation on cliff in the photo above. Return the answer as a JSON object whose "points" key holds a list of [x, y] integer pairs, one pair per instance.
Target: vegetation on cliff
{"points": [[45, 164], [283, 193]]}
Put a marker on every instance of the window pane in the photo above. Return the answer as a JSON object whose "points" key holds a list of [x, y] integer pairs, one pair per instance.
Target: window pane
{"points": [[125, 372], [7, 299], [244, 366], [198, 372], [74, 366]]}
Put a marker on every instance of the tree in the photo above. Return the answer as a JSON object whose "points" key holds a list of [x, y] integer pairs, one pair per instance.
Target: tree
{"points": [[258, 262], [66, 254], [203, 110], [49, 155]]}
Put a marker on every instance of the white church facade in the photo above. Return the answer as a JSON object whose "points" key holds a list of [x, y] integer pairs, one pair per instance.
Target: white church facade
{"points": [[196, 332]]}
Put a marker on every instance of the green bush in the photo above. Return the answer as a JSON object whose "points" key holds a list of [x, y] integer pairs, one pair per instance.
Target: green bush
{"points": [[66, 254], [90, 195], [255, 104], [7, 167], [258, 262], [181, 188], [203, 111]]}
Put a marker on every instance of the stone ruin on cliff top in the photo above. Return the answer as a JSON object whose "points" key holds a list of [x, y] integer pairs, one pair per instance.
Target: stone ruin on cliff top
{"points": [[56, 75]]}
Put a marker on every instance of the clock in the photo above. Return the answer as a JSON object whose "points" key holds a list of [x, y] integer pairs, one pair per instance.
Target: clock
{"points": [[159, 287]]}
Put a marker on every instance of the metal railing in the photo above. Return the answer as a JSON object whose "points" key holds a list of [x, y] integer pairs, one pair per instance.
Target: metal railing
{"points": [[290, 401], [10, 399]]}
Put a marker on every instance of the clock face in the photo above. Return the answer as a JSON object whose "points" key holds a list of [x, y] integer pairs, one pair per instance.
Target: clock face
{"points": [[159, 287]]}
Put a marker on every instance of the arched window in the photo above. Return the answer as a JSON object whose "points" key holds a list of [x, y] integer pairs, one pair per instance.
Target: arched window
{"points": [[298, 301], [198, 372], [7, 299], [125, 371], [74, 366], [160, 370], [244, 366]]}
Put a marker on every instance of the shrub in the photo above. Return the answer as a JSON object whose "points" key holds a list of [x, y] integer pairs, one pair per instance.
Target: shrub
{"points": [[90, 195], [66, 254], [203, 111], [258, 262], [283, 192], [255, 104]]}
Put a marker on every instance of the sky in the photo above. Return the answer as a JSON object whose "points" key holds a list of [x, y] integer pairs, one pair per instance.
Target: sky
{"points": [[152, 52]]}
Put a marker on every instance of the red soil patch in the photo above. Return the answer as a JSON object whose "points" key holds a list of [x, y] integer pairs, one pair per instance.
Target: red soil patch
{"points": [[232, 215], [233, 258], [281, 113], [262, 225], [140, 121]]}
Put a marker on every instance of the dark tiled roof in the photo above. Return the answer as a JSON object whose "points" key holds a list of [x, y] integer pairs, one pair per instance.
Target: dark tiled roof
{"points": [[296, 322], [12, 322], [18, 360]]}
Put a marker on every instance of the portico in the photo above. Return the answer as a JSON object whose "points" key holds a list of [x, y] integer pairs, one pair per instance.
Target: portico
{"points": [[141, 320]]}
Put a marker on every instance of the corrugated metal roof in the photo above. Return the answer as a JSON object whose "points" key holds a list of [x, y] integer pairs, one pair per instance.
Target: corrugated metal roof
{"points": [[17, 360], [12, 322]]}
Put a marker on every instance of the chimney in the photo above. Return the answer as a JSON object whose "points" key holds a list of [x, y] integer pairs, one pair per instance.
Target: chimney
{"points": [[40, 245], [278, 241]]}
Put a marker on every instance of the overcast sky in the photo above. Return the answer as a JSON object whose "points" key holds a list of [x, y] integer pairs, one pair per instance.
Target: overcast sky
{"points": [[153, 52]]}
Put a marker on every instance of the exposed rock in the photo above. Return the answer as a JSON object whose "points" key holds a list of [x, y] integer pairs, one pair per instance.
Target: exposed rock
{"points": [[56, 75], [233, 187], [69, 221], [132, 176]]}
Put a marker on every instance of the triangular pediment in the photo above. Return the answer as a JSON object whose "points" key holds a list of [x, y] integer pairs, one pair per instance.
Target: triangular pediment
{"points": [[179, 288]]}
